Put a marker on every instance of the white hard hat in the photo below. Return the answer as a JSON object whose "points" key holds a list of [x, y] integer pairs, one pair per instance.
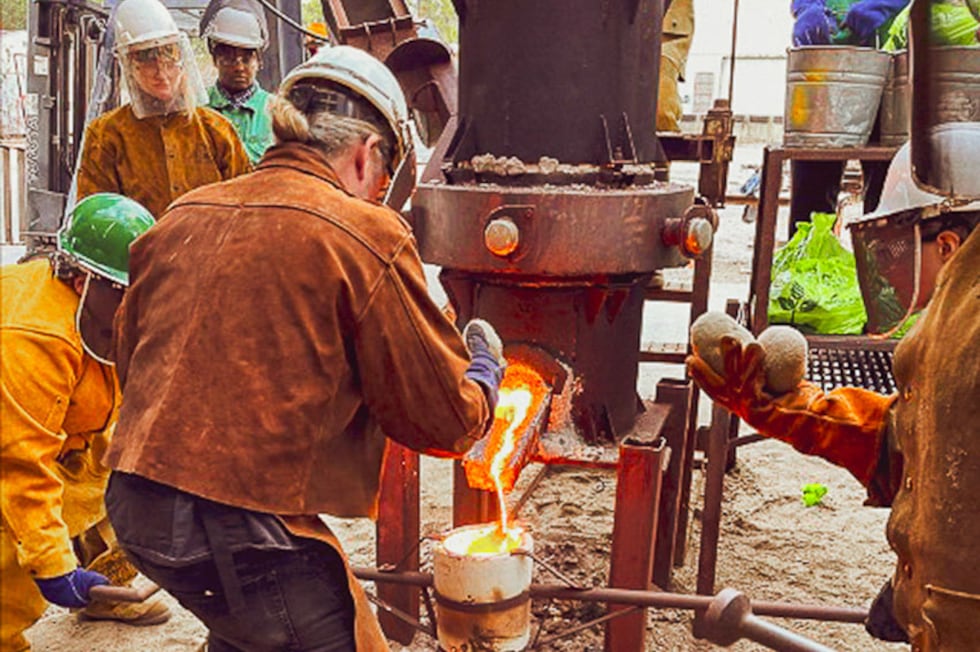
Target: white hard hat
{"points": [[142, 24], [237, 28], [365, 76], [959, 143]]}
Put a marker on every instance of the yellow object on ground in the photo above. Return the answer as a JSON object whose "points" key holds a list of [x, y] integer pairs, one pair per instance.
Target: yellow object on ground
{"points": [[56, 405], [677, 34]]}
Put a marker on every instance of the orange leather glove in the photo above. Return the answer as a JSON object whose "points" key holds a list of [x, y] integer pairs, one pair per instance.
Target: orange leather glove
{"points": [[844, 426]]}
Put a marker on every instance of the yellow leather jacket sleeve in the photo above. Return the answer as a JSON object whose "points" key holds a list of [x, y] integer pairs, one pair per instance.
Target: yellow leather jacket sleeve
{"points": [[39, 371]]}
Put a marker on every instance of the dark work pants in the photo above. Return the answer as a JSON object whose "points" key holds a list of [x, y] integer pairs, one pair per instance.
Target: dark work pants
{"points": [[294, 600], [816, 184]]}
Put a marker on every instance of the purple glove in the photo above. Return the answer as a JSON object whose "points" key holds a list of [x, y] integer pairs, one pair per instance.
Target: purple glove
{"points": [[866, 16], [813, 26], [70, 590], [799, 5]]}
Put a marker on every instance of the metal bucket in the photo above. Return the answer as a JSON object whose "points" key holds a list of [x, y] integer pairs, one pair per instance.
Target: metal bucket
{"points": [[896, 102], [832, 95], [957, 79]]}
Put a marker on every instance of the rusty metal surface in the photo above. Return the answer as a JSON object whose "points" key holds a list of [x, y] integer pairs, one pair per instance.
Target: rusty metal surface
{"points": [[376, 26], [592, 325], [397, 532], [638, 482], [425, 71], [677, 395], [538, 79], [564, 231]]}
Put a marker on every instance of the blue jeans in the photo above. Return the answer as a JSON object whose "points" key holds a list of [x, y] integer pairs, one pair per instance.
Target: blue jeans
{"points": [[294, 600]]}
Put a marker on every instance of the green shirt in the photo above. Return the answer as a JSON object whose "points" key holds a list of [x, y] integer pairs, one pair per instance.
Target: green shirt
{"points": [[251, 119]]}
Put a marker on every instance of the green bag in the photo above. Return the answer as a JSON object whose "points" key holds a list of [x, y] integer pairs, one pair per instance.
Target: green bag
{"points": [[814, 282]]}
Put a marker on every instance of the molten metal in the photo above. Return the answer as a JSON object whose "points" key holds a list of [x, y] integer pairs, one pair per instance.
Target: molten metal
{"points": [[483, 540], [495, 465]]}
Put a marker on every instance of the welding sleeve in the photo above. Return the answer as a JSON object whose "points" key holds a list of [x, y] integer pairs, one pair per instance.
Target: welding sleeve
{"points": [[36, 386], [845, 427], [413, 364]]}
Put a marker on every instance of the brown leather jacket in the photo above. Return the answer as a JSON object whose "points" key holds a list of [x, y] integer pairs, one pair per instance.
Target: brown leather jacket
{"points": [[157, 159], [935, 428], [274, 327]]}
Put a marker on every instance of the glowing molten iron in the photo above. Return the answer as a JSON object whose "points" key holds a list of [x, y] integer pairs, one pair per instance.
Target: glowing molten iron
{"points": [[521, 393], [488, 539]]}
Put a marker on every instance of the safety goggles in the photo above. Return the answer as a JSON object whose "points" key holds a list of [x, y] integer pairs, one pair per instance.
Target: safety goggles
{"points": [[229, 55], [166, 56]]}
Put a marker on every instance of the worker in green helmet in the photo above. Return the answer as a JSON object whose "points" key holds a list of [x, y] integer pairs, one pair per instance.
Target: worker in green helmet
{"points": [[58, 404]]}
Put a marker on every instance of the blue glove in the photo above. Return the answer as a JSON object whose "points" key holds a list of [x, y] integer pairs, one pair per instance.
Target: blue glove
{"points": [[866, 16], [799, 5], [486, 358], [70, 590], [813, 26]]}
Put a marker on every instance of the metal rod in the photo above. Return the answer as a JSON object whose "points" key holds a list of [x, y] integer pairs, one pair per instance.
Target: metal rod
{"points": [[515, 509], [401, 615], [582, 626], [654, 599], [731, 63], [777, 638]]}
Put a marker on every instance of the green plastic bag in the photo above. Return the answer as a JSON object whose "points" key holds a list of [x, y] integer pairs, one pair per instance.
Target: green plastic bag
{"points": [[814, 282]]}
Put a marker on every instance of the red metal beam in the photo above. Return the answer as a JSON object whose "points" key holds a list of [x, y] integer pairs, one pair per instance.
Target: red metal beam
{"points": [[398, 536], [641, 464]]}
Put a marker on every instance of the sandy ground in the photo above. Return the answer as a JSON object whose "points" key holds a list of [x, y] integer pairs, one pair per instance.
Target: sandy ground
{"points": [[772, 546]]}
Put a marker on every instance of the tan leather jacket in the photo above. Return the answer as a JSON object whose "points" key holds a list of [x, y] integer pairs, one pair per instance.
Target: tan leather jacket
{"points": [[157, 159], [934, 525], [274, 327]]}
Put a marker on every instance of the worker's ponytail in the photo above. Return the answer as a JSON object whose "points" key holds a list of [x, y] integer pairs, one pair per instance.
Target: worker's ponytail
{"points": [[289, 124]]}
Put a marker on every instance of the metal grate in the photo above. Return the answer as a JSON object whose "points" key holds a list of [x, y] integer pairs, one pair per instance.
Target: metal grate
{"points": [[832, 368]]}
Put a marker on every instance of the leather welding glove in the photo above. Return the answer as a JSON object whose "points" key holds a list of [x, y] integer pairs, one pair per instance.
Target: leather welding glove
{"points": [[864, 18], [844, 426], [487, 360], [71, 589], [814, 23]]}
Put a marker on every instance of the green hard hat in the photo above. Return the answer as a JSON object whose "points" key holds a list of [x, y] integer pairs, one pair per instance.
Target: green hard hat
{"points": [[99, 230]]}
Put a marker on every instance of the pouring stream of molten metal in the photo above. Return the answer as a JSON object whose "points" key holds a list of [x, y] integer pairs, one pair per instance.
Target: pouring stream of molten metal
{"points": [[517, 396]]}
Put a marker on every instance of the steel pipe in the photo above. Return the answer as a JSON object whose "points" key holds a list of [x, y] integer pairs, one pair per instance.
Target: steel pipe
{"points": [[654, 599]]}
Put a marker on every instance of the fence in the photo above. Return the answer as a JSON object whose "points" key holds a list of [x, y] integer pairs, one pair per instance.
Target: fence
{"points": [[14, 188]]}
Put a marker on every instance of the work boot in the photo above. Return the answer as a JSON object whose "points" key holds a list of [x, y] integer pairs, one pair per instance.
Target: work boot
{"points": [[120, 572], [138, 614]]}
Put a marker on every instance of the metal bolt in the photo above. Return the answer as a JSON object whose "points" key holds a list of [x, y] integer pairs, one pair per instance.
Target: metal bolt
{"points": [[501, 236]]}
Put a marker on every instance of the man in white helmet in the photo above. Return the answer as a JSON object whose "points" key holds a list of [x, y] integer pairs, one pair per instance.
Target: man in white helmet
{"points": [[162, 142], [266, 361], [236, 40], [918, 450]]}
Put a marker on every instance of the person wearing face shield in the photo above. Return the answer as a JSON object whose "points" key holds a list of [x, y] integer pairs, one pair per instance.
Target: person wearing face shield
{"points": [[266, 363], [58, 402], [236, 40], [917, 450], [163, 142]]}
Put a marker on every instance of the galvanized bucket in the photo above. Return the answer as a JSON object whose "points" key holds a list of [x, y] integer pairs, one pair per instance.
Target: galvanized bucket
{"points": [[896, 102], [832, 95], [957, 79]]}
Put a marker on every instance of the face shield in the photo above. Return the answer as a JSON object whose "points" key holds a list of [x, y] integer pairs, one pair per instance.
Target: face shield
{"points": [[888, 253], [162, 79], [94, 318]]}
